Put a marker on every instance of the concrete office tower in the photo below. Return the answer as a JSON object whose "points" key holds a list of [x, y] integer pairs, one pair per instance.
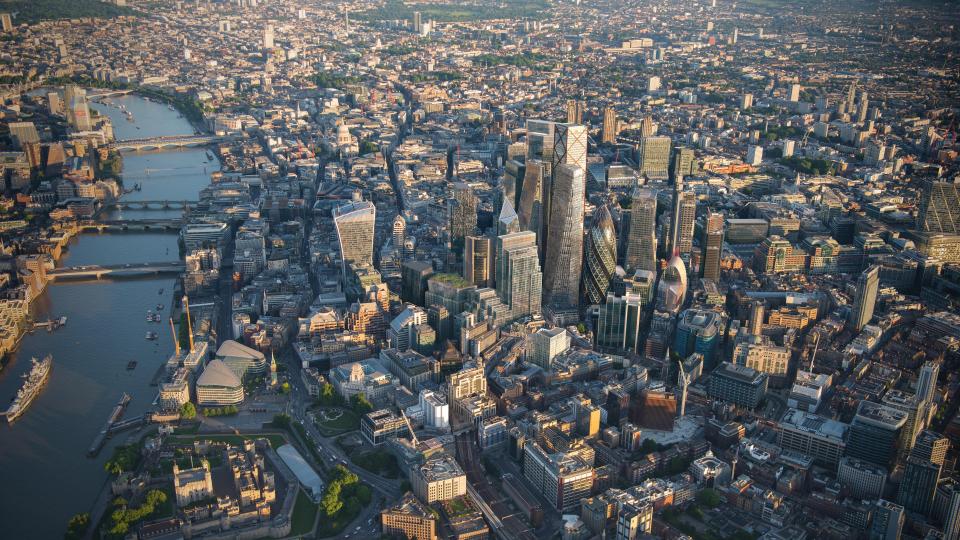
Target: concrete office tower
{"points": [[865, 298], [462, 214], [647, 129], [478, 260], [939, 208], [54, 103], [531, 203], [754, 155], [508, 222], [618, 323], [712, 246], [682, 164], [564, 239], [519, 280], [417, 22], [653, 157], [78, 112], [931, 446], [641, 241], [888, 521], [609, 126], [919, 485], [911, 405], [874, 433], [736, 34], [746, 101], [927, 382], [681, 229], [600, 256], [789, 147], [23, 133], [355, 223], [545, 345], [575, 109], [794, 93], [951, 522], [6, 22], [268, 37]]}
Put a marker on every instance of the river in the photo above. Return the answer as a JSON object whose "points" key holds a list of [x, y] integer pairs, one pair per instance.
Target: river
{"points": [[46, 475]]}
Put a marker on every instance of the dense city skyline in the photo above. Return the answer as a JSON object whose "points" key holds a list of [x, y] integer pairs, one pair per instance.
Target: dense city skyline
{"points": [[520, 269]]}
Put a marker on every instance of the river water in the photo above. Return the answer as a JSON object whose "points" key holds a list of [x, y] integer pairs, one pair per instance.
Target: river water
{"points": [[46, 475]]}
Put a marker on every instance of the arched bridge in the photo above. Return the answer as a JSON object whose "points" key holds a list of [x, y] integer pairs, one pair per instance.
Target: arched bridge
{"points": [[161, 143], [117, 270], [132, 225], [124, 204]]}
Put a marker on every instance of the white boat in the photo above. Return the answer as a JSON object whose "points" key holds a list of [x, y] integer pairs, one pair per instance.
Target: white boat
{"points": [[33, 383]]}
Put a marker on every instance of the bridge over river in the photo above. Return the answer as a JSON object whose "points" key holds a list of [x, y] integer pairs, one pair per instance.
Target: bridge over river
{"points": [[166, 142], [116, 270]]}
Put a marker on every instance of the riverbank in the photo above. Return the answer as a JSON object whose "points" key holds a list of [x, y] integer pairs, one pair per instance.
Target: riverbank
{"points": [[48, 445], [192, 110]]}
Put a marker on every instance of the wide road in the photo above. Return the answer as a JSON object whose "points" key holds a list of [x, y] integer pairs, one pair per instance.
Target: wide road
{"points": [[386, 491]]}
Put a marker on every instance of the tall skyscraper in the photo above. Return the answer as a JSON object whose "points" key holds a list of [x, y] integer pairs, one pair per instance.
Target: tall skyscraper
{"points": [[939, 208], [609, 126], [417, 22], [399, 232], [540, 137], [570, 145], [600, 256], [683, 163], [618, 323], [561, 239], [478, 260], [865, 298], [927, 382], [918, 485], [794, 93], [78, 111], [462, 213], [518, 276], [641, 235], [712, 246], [874, 433], [23, 134], [564, 238], [6, 22], [268, 37], [354, 222], [683, 218], [888, 521], [653, 157], [531, 196], [647, 129], [951, 523]]}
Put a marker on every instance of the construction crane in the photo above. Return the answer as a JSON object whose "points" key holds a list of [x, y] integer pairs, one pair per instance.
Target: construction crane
{"points": [[407, 421]]}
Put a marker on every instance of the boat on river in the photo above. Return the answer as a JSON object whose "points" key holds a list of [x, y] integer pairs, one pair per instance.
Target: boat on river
{"points": [[33, 383]]}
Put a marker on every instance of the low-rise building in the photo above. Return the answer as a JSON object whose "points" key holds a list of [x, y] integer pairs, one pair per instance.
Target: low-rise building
{"points": [[440, 478], [409, 519]]}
